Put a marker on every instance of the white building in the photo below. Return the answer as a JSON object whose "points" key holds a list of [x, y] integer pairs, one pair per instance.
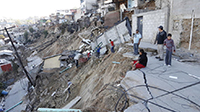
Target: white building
{"points": [[88, 5]]}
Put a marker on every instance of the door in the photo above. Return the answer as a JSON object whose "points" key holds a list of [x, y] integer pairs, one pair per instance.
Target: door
{"points": [[140, 24]]}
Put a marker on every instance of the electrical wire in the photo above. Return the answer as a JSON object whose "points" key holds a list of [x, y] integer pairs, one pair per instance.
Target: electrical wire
{"points": [[120, 98], [124, 93], [153, 103]]}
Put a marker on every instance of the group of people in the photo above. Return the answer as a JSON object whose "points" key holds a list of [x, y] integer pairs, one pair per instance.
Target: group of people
{"points": [[162, 39], [112, 48]]}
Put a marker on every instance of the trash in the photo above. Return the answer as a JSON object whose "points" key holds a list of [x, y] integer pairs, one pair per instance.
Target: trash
{"points": [[116, 62], [53, 93], [72, 102], [7, 54], [82, 60], [4, 92], [120, 49], [86, 41], [118, 85], [173, 77]]}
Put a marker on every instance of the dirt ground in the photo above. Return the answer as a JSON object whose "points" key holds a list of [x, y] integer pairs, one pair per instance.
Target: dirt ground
{"points": [[96, 81]]}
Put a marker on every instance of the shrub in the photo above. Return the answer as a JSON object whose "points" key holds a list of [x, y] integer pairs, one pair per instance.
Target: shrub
{"points": [[31, 30], [45, 33]]}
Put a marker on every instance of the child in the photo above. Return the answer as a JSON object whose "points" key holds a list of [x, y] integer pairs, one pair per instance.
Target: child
{"points": [[88, 55], [112, 46], [142, 62], [98, 52], [170, 46]]}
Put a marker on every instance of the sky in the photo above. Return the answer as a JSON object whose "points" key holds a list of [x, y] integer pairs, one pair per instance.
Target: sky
{"points": [[22, 9]]}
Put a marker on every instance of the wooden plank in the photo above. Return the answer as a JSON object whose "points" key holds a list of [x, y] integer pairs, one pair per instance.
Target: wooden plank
{"points": [[57, 110], [188, 60], [72, 103]]}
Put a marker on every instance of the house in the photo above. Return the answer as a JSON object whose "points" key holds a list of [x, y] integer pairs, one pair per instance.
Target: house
{"points": [[88, 6], [34, 65], [67, 14], [5, 66], [173, 15], [6, 54]]}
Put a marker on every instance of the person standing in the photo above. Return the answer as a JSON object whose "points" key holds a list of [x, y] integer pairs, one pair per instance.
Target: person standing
{"points": [[69, 84], [98, 52], [76, 58], [161, 36], [136, 42], [112, 46], [88, 55], [170, 47]]}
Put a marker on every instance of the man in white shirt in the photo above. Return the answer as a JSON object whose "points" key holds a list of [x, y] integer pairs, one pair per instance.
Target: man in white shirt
{"points": [[76, 58], [136, 41]]}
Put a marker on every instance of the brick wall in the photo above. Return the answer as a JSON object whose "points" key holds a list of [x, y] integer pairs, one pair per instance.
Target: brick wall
{"points": [[151, 21]]}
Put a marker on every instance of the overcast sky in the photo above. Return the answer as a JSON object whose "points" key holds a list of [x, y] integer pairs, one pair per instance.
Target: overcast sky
{"points": [[22, 9]]}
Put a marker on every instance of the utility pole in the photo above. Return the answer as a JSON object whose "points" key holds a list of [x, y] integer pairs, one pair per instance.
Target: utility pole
{"points": [[191, 31], [20, 61]]}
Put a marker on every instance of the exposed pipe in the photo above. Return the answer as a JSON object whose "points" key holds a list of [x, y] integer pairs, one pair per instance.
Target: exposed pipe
{"points": [[14, 106], [191, 31]]}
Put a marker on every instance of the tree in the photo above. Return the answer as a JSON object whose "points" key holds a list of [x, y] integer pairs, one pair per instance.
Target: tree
{"points": [[31, 30], [45, 33], [26, 36]]}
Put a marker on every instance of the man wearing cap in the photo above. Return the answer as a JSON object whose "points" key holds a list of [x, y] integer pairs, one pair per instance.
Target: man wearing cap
{"points": [[161, 36]]}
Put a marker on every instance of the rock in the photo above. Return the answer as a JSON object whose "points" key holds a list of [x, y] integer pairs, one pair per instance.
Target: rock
{"points": [[130, 55]]}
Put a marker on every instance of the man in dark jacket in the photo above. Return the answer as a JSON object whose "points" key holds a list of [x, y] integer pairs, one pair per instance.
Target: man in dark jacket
{"points": [[142, 62], [161, 36]]}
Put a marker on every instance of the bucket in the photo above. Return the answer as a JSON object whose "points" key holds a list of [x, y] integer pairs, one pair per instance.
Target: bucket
{"points": [[4, 92]]}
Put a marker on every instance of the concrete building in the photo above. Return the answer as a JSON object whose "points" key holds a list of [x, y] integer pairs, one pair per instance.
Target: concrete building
{"points": [[180, 22], [88, 5], [66, 14], [5, 66], [173, 15]]}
